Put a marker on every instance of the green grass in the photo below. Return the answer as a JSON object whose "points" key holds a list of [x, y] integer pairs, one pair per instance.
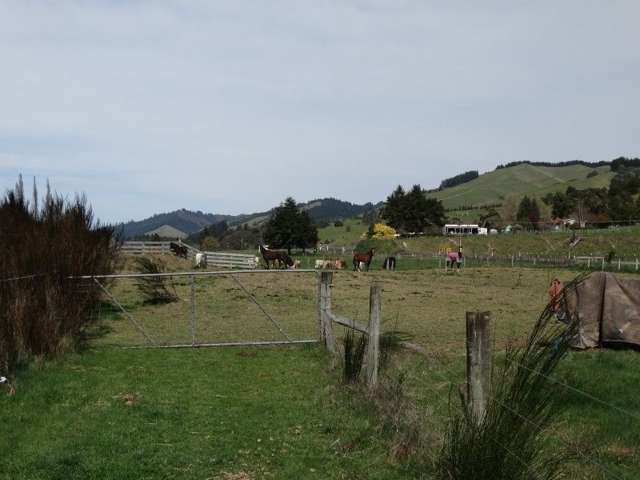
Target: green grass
{"points": [[347, 235], [625, 241], [193, 414], [493, 187], [199, 413]]}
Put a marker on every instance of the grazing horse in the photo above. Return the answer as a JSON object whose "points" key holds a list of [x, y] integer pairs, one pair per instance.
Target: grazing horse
{"points": [[201, 260], [281, 259], [178, 250], [364, 258], [389, 263]]}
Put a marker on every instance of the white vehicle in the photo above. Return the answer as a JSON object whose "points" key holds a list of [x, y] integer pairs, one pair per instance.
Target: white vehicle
{"points": [[464, 229]]}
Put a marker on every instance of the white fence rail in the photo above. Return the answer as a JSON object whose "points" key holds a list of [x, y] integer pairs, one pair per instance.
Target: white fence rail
{"points": [[231, 260], [214, 259], [142, 248]]}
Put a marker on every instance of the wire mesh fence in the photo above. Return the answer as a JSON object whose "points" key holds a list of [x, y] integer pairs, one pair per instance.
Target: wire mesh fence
{"points": [[209, 309]]}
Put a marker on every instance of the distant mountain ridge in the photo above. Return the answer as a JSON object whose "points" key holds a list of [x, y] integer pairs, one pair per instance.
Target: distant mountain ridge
{"points": [[490, 188], [189, 222], [184, 220]]}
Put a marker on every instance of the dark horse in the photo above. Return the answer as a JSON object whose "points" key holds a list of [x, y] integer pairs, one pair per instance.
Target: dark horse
{"points": [[364, 258], [179, 250], [281, 259]]}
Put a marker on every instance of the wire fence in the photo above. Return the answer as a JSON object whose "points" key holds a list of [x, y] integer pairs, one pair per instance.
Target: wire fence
{"points": [[217, 308], [448, 368], [267, 307]]}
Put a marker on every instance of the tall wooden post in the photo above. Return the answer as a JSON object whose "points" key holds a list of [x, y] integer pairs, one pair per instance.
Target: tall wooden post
{"points": [[478, 362], [193, 310], [326, 325], [373, 343]]}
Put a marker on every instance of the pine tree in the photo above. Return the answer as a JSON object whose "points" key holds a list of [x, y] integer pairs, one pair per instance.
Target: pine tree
{"points": [[288, 228], [412, 211], [393, 208]]}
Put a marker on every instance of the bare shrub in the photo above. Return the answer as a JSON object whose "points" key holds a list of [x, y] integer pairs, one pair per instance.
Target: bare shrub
{"points": [[42, 310]]}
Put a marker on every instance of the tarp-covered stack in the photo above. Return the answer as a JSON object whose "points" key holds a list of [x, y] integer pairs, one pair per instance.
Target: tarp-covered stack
{"points": [[607, 310]]}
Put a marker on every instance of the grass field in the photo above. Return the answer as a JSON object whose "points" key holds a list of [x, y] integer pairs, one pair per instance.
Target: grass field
{"points": [[349, 234], [493, 187], [623, 241], [280, 412]]}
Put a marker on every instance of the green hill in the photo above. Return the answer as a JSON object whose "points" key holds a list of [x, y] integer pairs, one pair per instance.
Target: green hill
{"points": [[523, 179]]}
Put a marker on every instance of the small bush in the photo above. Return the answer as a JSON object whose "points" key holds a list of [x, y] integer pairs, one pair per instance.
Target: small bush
{"points": [[154, 289], [383, 232]]}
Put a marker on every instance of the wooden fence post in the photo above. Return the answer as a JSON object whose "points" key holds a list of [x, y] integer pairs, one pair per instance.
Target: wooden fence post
{"points": [[478, 362], [326, 325], [373, 342], [193, 310]]}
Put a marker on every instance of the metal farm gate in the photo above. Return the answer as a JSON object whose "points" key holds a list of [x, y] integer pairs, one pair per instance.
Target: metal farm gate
{"points": [[209, 308]]}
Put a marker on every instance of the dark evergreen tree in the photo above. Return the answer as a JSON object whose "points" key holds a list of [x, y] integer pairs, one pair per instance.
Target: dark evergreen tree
{"points": [[393, 210], [562, 205], [523, 210], [288, 227], [412, 211], [622, 208], [528, 213], [436, 214]]}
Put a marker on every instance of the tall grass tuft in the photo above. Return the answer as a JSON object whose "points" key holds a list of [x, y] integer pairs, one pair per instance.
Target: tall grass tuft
{"points": [[354, 348], [391, 342], [43, 243], [509, 441], [154, 289]]}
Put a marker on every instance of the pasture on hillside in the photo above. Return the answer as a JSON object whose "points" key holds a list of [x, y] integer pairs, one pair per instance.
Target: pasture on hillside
{"points": [[525, 179], [254, 413], [623, 242]]}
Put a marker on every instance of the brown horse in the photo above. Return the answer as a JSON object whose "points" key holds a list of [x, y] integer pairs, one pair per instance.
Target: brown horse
{"points": [[278, 258], [364, 258]]}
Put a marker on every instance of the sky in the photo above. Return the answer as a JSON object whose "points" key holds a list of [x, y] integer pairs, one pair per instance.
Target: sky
{"points": [[231, 106]]}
